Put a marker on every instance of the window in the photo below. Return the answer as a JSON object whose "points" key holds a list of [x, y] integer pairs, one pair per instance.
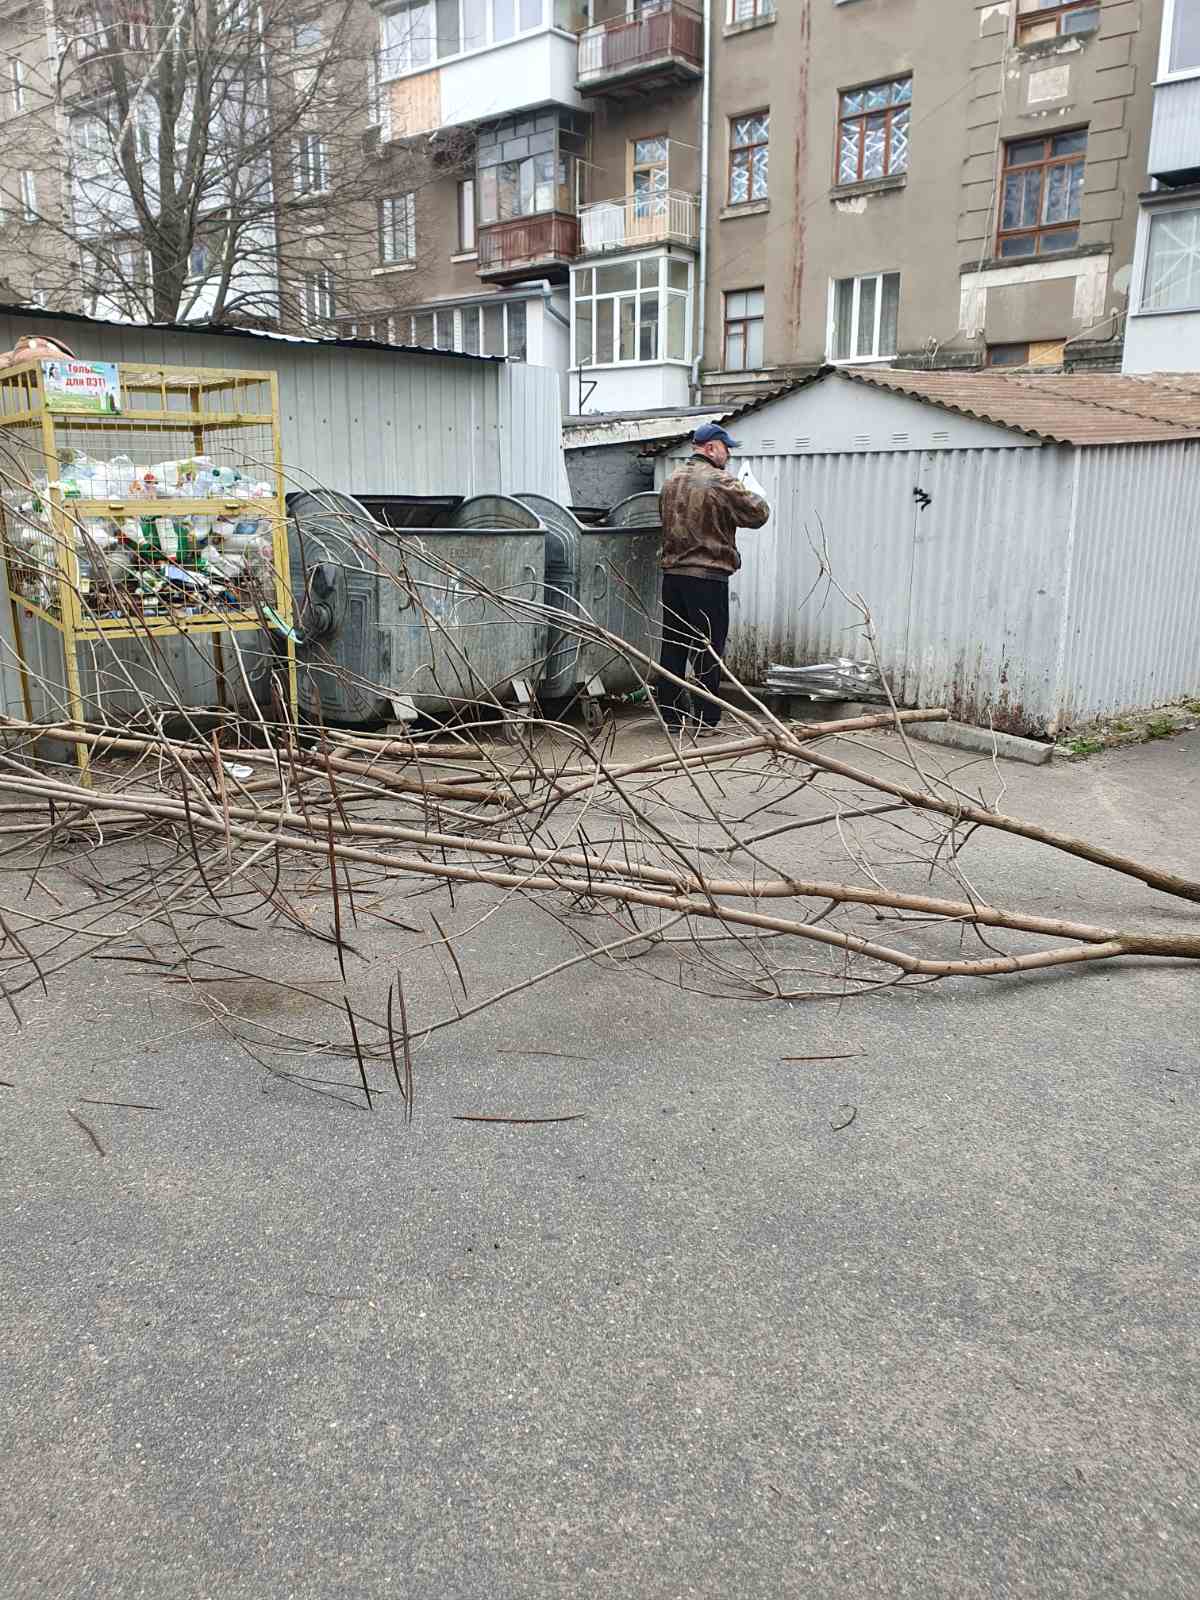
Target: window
{"points": [[529, 165], [1040, 195], [648, 175], [374, 93], [89, 136], [318, 296], [1048, 19], [1173, 262], [17, 75], [491, 329], [873, 131], [306, 34], [750, 10], [749, 138], [420, 32], [311, 168], [40, 297], [28, 197], [398, 228], [466, 215], [863, 316], [198, 261], [1180, 38], [632, 312], [744, 330]]}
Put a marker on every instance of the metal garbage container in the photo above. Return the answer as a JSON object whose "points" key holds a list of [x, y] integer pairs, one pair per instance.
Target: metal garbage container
{"points": [[393, 621], [605, 568]]}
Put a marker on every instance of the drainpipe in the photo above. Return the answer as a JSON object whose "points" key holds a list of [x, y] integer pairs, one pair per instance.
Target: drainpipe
{"points": [[698, 320]]}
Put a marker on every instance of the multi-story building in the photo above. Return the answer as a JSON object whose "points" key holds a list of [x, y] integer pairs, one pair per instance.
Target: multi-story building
{"points": [[736, 191], [1163, 331], [679, 202]]}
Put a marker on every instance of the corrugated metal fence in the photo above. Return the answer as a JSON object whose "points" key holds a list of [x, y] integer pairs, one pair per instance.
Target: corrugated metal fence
{"points": [[961, 557]]}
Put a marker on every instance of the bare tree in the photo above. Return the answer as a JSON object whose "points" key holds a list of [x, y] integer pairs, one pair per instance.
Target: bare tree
{"points": [[212, 158]]}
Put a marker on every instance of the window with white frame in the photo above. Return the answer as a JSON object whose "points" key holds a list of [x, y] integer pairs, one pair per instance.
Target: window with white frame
{"points": [[398, 229], [466, 216], [1180, 54], [489, 328], [374, 93], [17, 78], [743, 342], [863, 316], [306, 33], [318, 296], [631, 312], [419, 33], [750, 10], [312, 175], [29, 209], [1172, 281]]}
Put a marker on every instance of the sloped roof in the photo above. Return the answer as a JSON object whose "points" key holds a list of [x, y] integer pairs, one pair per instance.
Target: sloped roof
{"points": [[42, 314], [1083, 408]]}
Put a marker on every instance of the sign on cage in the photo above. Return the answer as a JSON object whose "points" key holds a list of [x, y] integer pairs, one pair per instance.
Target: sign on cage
{"points": [[83, 386]]}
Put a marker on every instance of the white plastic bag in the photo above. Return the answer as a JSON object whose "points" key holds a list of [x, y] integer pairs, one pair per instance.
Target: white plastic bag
{"points": [[748, 481]]}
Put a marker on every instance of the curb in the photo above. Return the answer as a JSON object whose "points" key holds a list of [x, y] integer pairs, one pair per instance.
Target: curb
{"points": [[982, 741]]}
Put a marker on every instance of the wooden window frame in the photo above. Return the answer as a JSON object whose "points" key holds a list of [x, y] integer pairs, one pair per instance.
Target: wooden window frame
{"points": [[747, 150], [1042, 229], [744, 323], [760, 9], [1027, 20], [861, 118]]}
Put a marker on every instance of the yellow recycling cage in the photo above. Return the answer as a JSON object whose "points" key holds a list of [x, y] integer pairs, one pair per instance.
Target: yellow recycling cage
{"points": [[139, 501]]}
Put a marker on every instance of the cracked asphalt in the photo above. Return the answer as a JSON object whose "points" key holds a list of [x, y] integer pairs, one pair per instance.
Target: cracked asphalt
{"points": [[715, 1338]]}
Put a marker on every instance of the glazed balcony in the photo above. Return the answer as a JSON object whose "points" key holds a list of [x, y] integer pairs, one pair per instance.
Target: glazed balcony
{"points": [[541, 246], [626, 56]]}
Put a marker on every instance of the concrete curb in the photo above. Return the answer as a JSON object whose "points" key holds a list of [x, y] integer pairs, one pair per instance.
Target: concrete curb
{"points": [[962, 736]]}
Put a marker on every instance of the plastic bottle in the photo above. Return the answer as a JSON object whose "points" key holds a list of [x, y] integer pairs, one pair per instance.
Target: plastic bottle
{"points": [[120, 476]]}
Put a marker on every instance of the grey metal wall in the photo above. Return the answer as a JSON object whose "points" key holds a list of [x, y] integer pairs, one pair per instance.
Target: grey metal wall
{"points": [[370, 421], [1131, 628], [966, 592]]}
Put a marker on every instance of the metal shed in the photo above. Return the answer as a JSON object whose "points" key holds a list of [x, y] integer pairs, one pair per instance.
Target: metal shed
{"points": [[356, 417], [1027, 544]]}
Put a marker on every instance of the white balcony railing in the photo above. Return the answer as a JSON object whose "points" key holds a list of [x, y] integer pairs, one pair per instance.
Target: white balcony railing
{"points": [[669, 217]]}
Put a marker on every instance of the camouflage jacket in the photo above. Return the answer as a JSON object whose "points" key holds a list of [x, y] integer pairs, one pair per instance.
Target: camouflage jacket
{"points": [[702, 509]]}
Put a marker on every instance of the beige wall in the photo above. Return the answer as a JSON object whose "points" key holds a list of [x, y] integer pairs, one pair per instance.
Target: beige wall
{"points": [[972, 89]]}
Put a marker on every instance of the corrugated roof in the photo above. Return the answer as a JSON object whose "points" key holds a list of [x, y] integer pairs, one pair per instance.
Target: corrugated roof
{"points": [[1061, 408], [223, 331]]}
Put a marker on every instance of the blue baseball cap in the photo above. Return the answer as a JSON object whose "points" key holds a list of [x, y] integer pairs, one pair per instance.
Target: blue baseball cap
{"points": [[709, 431]]}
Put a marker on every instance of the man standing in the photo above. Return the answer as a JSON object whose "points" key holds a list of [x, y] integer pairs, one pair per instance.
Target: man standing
{"points": [[703, 506]]}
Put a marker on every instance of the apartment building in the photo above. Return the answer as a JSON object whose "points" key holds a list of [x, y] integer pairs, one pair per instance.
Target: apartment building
{"points": [[1163, 331], [716, 197], [688, 201]]}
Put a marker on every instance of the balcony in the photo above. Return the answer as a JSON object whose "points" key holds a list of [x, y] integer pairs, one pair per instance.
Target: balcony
{"points": [[541, 246], [1175, 132], [670, 217], [629, 55]]}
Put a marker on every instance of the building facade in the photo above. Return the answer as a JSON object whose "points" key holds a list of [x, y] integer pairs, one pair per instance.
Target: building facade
{"points": [[1163, 331], [684, 202]]}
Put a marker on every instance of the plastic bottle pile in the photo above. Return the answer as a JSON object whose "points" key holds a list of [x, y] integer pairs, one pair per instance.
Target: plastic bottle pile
{"points": [[139, 559]]}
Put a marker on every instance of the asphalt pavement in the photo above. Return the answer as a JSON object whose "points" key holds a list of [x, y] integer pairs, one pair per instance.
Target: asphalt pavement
{"points": [[918, 1322]]}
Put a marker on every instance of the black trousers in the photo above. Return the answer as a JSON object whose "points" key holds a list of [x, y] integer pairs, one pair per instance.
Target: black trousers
{"points": [[695, 616]]}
